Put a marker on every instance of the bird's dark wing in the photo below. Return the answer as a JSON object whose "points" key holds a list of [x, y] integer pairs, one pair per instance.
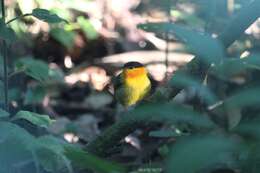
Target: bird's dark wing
{"points": [[117, 81]]}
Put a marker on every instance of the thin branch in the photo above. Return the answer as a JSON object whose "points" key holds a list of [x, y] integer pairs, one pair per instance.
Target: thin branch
{"points": [[5, 62], [18, 17]]}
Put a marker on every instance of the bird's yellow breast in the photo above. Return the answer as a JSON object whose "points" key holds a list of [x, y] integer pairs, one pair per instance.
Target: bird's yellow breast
{"points": [[136, 85]]}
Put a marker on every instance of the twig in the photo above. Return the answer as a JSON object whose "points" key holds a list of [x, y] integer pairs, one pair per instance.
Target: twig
{"points": [[5, 62], [18, 17]]}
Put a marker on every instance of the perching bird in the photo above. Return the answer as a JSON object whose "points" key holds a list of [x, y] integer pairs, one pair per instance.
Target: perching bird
{"points": [[133, 84]]}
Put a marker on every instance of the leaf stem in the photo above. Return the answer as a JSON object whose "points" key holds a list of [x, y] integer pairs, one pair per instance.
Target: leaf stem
{"points": [[18, 17], [15, 73]]}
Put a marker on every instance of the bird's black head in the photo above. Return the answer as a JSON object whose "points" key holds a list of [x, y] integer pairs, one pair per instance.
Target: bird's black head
{"points": [[132, 64]]}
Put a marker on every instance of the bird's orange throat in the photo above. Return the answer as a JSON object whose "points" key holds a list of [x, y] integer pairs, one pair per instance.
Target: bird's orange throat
{"points": [[136, 72]]}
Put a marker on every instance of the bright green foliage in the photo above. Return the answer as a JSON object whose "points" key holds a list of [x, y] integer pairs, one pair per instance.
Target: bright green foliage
{"points": [[34, 68], [201, 152], [34, 118], [47, 16], [66, 38], [87, 28]]}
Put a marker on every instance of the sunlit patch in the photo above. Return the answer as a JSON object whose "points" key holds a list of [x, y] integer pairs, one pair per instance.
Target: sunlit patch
{"points": [[68, 62], [254, 29], [158, 71], [96, 76], [71, 137], [245, 54], [133, 141], [14, 104]]}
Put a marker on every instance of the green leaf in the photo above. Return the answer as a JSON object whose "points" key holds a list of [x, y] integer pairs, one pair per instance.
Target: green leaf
{"points": [[243, 98], [50, 154], [249, 128], [87, 161], [34, 118], [171, 113], [87, 28], [201, 44], [164, 134], [15, 145], [36, 69], [47, 16], [233, 66], [22, 152], [196, 153], [66, 38], [6, 33], [3, 113], [34, 95], [251, 157], [185, 81], [56, 75]]}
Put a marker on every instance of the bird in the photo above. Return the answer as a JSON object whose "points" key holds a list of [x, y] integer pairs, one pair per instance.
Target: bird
{"points": [[133, 84]]}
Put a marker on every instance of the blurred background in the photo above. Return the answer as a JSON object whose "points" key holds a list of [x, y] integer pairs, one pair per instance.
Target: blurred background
{"points": [[80, 56]]}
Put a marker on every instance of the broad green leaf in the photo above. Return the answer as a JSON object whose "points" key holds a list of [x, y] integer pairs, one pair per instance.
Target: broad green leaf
{"points": [[66, 38], [243, 98], [34, 95], [233, 105], [47, 16], [56, 74], [85, 160], [164, 134], [201, 44], [234, 117], [15, 145], [22, 152], [87, 28], [250, 157], [34, 118], [6, 33], [185, 81], [3, 113], [201, 152], [170, 113], [249, 128], [50, 154], [36, 69], [233, 66], [164, 150]]}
